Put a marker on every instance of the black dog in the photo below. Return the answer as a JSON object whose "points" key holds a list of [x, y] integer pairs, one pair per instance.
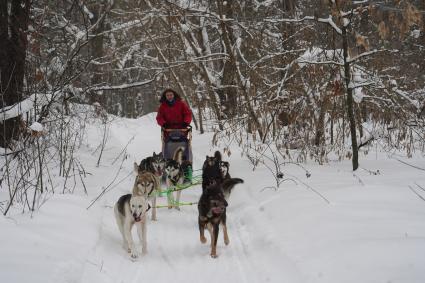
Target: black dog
{"points": [[211, 173], [212, 212], [216, 171]]}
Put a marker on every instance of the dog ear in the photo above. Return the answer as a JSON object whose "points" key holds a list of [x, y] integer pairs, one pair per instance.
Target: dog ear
{"points": [[217, 155], [136, 168]]}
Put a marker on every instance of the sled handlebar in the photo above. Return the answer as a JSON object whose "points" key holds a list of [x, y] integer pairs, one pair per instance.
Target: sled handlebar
{"points": [[188, 129]]}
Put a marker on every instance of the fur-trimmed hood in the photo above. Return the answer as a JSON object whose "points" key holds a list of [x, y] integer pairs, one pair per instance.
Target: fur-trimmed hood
{"points": [[164, 99]]}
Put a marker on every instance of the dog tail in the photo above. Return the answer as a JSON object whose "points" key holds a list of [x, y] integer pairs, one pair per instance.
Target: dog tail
{"points": [[217, 155], [230, 183], [178, 155]]}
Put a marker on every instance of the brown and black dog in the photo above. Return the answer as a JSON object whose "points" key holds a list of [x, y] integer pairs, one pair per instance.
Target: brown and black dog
{"points": [[212, 211]]}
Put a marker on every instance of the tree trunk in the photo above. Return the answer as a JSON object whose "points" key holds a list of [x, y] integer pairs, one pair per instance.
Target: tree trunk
{"points": [[319, 139], [96, 50], [201, 124], [349, 101], [14, 16], [228, 92]]}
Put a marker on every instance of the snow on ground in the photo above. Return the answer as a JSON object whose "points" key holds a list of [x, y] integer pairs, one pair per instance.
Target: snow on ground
{"points": [[373, 229]]}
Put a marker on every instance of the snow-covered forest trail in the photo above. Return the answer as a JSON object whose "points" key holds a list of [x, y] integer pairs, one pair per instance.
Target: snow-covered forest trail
{"points": [[174, 249], [366, 226]]}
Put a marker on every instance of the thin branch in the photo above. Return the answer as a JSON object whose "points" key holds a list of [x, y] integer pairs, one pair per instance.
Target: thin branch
{"points": [[416, 193]]}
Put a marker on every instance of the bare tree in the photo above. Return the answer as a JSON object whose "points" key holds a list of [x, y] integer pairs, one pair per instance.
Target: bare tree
{"points": [[14, 18]]}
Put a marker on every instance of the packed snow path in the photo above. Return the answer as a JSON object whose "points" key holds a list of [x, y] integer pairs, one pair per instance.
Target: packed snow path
{"points": [[174, 250], [373, 229]]}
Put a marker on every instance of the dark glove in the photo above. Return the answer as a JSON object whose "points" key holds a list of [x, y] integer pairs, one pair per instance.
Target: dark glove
{"points": [[185, 125], [165, 125]]}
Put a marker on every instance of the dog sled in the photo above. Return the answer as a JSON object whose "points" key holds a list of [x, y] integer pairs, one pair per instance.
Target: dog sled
{"points": [[172, 139]]}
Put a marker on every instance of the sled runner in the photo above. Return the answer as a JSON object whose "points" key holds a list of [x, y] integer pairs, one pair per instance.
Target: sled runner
{"points": [[172, 139]]}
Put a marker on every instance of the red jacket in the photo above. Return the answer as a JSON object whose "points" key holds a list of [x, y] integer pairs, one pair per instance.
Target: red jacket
{"points": [[174, 116]]}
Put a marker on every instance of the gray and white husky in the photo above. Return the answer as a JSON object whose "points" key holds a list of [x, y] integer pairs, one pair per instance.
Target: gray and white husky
{"points": [[149, 172], [175, 177], [147, 185], [154, 164], [131, 210]]}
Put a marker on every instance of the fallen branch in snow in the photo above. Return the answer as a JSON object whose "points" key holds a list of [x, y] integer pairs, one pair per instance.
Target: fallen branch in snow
{"points": [[422, 188], [404, 162], [416, 193], [269, 187], [275, 188], [358, 179], [313, 190], [124, 150], [109, 186]]}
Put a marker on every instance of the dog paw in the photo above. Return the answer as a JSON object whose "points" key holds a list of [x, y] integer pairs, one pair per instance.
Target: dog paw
{"points": [[144, 251], [177, 207], [226, 242], [203, 239], [154, 219], [214, 255]]}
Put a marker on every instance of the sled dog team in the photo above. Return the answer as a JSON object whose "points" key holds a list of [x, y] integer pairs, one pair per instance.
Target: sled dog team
{"points": [[132, 209]]}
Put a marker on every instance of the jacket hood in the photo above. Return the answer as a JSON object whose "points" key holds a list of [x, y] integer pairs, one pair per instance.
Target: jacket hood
{"points": [[164, 99]]}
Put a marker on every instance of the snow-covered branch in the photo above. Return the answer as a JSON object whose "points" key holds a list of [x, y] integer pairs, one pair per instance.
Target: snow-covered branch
{"points": [[328, 20], [368, 53], [124, 86], [36, 99], [320, 62]]}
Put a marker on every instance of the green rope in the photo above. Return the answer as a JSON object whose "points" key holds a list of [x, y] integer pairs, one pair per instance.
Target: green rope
{"points": [[177, 204], [196, 180]]}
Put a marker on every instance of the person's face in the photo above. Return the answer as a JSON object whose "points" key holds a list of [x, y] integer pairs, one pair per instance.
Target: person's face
{"points": [[169, 95]]}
